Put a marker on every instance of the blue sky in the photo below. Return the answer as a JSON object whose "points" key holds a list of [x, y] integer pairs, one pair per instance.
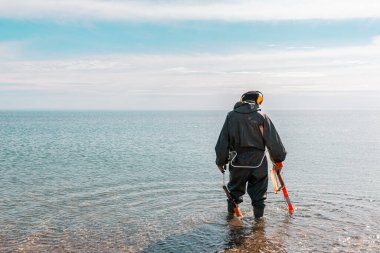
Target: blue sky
{"points": [[44, 39], [91, 54]]}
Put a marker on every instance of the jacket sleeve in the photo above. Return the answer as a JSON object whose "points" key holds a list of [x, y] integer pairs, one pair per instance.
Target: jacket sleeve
{"points": [[222, 146], [273, 141]]}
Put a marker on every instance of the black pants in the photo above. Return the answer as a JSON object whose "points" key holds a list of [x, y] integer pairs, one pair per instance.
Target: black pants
{"points": [[257, 179]]}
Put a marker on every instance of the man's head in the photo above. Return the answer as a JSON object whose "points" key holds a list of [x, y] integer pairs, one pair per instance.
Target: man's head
{"points": [[252, 97]]}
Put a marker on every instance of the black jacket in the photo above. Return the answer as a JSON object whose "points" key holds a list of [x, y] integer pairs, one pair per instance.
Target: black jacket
{"points": [[241, 133]]}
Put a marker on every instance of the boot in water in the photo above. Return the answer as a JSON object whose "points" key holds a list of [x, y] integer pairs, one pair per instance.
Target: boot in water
{"points": [[230, 216], [258, 212]]}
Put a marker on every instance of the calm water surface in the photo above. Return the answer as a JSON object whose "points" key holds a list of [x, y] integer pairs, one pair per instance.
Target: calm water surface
{"points": [[146, 182]]}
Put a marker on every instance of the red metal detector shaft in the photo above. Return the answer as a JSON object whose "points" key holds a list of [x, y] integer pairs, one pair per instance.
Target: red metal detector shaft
{"points": [[283, 187]]}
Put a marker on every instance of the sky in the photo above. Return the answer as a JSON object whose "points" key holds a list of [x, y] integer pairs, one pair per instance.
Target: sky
{"points": [[189, 55]]}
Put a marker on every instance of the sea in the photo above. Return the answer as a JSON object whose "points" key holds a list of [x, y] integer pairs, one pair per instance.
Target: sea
{"points": [[146, 181]]}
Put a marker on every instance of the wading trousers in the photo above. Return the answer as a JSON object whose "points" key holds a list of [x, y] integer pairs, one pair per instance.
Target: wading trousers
{"points": [[255, 181]]}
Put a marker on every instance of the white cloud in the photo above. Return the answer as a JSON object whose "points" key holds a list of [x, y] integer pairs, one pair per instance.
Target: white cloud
{"points": [[271, 67], [190, 10], [301, 72], [11, 49]]}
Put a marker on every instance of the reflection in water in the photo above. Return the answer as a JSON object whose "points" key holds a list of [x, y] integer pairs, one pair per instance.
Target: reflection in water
{"points": [[207, 238], [257, 239], [253, 236]]}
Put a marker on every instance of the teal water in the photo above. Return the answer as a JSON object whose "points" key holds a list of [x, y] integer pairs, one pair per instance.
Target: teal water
{"points": [[146, 182]]}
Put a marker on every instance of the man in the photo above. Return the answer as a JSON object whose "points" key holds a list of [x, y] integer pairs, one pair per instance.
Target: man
{"points": [[245, 134]]}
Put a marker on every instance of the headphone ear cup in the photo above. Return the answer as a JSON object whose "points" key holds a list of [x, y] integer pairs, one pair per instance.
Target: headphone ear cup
{"points": [[259, 100]]}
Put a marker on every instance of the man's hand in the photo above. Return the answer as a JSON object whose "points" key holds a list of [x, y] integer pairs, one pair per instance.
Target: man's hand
{"points": [[221, 168], [278, 166]]}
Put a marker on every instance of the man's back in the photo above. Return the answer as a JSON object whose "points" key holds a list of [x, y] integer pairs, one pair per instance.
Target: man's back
{"points": [[244, 127], [247, 129]]}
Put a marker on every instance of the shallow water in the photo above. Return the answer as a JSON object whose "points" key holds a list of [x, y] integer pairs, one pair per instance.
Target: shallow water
{"points": [[146, 182]]}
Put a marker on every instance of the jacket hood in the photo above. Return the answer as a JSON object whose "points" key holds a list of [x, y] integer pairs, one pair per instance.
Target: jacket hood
{"points": [[243, 107]]}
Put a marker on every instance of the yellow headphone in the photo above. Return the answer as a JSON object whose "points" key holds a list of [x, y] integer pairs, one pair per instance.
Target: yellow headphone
{"points": [[259, 100]]}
